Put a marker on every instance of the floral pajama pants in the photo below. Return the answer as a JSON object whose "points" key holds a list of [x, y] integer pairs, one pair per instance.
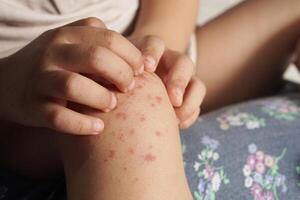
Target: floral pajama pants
{"points": [[249, 151]]}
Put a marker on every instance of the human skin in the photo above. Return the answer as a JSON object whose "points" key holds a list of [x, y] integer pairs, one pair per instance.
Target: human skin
{"points": [[56, 68], [242, 53], [138, 156], [250, 47], [171, 20], [156, 19]]}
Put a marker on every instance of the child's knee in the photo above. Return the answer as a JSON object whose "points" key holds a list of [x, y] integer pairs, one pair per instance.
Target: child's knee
{"points": [[144, 117]]}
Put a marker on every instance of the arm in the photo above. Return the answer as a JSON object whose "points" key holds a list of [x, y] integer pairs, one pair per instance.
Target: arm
{"points": [[171, 20]]}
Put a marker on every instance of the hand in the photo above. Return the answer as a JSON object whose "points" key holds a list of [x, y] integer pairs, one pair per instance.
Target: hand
{"points": [[37, 82], [185, 90]]}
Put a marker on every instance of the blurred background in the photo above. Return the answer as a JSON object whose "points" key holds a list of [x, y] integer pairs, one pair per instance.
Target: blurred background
{"points": [[212, 8]]}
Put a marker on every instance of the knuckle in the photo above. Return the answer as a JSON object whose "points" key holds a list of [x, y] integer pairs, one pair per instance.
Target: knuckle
{"points": [[183, 60], [58, 34], [70, 85], [153, 43], [126, 77], [93, 21], [94, 56], [155, 40], [54, 118], [110, 37]]}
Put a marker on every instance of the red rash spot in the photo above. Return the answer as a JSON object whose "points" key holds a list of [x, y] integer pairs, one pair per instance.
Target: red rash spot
{"points": [[131, 151], [158, 99], [149, 157], [131, 93], [158, 133], [131, 132], [121, 137], [142, 118], [139, 86], [111, 154], [121, 115]]}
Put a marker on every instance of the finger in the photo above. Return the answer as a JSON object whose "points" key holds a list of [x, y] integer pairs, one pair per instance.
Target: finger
{"points": [[193, 98], [102, 37], [90, 21], [152, 48], [68, 121], [191, 120], [178, 77], [76, 88], [95, 60]]}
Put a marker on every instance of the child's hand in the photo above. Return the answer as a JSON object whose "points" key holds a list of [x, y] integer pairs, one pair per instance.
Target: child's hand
{"points": [[186, 91], [37, 82]]}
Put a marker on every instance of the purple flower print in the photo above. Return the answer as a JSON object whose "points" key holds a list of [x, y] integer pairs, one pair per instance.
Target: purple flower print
{"points": [[234, 118], [212, 144], [282, 109], [201, 186], [262, 175], [211, 177]]}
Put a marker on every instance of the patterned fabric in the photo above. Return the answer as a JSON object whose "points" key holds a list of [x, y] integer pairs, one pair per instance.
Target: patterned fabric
{"points": [[248, 151]]}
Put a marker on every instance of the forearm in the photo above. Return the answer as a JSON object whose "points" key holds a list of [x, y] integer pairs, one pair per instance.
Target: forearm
{"points": [[171, 20]]}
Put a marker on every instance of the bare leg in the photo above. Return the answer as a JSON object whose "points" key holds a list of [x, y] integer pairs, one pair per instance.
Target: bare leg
{"points": [[137, 157], [243, 53]]}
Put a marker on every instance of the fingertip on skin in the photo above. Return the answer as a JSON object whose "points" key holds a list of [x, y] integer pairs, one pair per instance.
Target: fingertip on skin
{"points": [[98, 127], [113, 103], [178, 96], [150, 63], [140, 70]]}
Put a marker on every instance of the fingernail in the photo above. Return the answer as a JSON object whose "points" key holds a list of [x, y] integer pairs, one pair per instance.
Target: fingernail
{"points": [[98, 126], [132, 84], [150, 63], [113, 102], [179, 95]]}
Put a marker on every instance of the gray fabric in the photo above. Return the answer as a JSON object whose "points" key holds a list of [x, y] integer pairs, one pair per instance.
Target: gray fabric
{"points": [[271, 125]]}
